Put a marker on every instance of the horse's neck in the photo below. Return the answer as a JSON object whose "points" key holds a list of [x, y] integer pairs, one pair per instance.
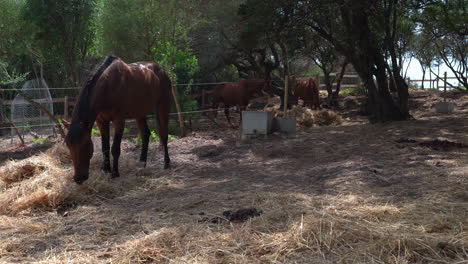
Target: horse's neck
{"points": [[83, 111]]}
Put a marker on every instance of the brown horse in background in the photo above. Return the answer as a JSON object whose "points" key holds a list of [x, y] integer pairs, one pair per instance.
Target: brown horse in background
{"points": [[238, 94], [307, 90], [114, 92]]}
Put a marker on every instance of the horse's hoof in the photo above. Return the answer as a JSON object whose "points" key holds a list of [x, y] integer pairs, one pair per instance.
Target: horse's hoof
{"points": [[115, 174], [167, 166]]}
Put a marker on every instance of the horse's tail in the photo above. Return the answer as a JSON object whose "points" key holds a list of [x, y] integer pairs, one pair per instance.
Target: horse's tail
{"points": [[83, 107], [166, 83]]}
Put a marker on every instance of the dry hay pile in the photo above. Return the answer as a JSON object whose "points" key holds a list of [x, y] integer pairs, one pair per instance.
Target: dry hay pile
{"points": [[306, 117], [361, 233], [44, 182]]}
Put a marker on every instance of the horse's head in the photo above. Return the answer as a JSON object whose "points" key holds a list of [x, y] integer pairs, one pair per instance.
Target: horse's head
{"points": [[79, 143]]}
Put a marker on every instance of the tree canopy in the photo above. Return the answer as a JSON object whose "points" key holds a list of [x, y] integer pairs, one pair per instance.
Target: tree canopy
{"points": [[223, 41]]}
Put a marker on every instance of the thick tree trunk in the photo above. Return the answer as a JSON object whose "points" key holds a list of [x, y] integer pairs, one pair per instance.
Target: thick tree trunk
{"points": [[368, 60], [380, 104], [403, 94], [392, 82]]}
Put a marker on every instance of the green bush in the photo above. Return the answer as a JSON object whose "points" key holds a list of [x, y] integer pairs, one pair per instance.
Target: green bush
{"points": [[182, 66], [353, 91], [153, 137]]}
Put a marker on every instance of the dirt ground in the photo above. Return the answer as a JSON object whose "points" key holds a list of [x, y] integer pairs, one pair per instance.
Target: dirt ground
{"points": [[355, 193]]}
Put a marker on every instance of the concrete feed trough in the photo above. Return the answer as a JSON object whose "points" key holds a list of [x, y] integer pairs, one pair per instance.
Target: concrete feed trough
{"points": [[444, 107], [257, 123], [285, 125]]}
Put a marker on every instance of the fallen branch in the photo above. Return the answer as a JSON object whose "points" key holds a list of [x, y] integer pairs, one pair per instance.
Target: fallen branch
{"points": [[11, 124]]}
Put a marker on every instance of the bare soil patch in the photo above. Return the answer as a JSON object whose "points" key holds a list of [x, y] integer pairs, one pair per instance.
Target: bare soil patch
{"points": [[354, 193]]}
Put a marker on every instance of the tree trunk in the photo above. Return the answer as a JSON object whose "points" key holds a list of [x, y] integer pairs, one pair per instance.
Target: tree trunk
{"points": [[423, 77], [380, 104], [392, 82], [328, 83], [368, 60], [336, 93]]}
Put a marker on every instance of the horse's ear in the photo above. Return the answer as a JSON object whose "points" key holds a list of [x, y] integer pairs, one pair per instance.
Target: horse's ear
{"points": [[66, 123]]}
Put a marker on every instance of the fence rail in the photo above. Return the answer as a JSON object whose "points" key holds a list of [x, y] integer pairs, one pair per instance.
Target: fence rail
{"points": [[201, 95]]}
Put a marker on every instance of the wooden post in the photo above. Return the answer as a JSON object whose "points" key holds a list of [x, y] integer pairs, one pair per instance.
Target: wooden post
{"points": [[179, 114], [445, 87], [286, 87], [65, 108], [203, 98], [430, 79]]}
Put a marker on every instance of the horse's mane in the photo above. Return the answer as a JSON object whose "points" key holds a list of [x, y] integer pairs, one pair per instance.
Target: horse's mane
{"points": [[82, 110]]}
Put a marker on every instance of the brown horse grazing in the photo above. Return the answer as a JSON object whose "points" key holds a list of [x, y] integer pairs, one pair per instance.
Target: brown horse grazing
{"points": [[116, 91], [307, 90], [238, 94]]}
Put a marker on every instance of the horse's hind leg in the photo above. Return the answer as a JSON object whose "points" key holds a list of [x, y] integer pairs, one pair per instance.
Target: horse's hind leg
{"points": [[105, 131], [119, 128], [145, 134], [241, 109], [215, 107], [226, 112], [162, 118]]}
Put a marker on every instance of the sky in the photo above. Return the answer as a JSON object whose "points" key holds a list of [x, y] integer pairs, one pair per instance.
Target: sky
{"points": [[415, 72]]}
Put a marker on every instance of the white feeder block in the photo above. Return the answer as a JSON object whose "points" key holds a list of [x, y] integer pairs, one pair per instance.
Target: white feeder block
{"points": [[444, 107], [285, 125], [257, 122]]}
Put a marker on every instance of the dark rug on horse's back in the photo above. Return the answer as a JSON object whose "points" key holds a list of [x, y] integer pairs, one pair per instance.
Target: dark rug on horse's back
{"points": [[436, 144]]}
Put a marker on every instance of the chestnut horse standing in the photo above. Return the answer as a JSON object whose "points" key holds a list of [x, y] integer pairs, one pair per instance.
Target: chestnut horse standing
{"points": [[116, 91], [307, 90], [238, 94]]}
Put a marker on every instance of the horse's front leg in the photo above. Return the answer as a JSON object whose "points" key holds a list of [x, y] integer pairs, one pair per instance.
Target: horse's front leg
{"points": [[145, 134], [119, 128], [104, 128]]}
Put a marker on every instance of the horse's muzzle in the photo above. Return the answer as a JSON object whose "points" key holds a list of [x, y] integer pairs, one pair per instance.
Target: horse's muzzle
{"points": [[80, 179]]}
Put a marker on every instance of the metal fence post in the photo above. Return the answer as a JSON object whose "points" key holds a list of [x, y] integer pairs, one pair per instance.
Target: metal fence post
{"points": [[65, 108]]}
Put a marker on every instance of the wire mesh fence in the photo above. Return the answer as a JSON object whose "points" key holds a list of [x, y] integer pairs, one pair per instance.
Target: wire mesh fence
{"points": [[18, 116]]}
